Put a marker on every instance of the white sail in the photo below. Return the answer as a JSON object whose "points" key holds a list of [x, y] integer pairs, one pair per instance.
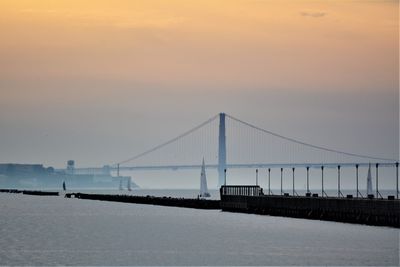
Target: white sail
{"points": [[369, 182], [203, 182], [129, 186]]}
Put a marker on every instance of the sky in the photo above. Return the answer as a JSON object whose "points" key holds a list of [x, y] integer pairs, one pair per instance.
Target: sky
{"points": [[101, 81]]}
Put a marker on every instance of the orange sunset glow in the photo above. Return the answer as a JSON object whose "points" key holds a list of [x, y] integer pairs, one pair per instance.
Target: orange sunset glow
{"points": [[308, 45], [69, 63]]}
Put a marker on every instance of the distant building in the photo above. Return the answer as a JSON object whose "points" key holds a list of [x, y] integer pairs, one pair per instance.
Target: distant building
{"points": [[12, 169], [37, 176]]}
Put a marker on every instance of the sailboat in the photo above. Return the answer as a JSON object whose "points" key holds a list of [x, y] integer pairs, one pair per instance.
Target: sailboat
{"points": [[369, 182], [203, 182], [129, 186], [120, 185]]}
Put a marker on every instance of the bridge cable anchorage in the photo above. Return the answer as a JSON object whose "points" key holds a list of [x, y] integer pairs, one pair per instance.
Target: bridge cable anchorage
{"points": [[308, 144], [167, 142]]}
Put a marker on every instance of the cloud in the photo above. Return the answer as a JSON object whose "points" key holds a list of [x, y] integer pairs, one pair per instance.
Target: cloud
{"points": [[313, 14]]}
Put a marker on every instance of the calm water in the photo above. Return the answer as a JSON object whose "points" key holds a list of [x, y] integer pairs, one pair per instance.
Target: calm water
{"points": [[57, 231]]}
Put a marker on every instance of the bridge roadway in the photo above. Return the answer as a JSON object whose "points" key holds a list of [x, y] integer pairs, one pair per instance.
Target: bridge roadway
{"points": [[235, 166]]}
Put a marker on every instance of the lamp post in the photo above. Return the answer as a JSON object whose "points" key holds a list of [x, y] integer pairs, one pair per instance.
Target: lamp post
{"points": [[308, 179], [269, 181], [225, 177], [281, 181], [256, 176], [322, 179]]}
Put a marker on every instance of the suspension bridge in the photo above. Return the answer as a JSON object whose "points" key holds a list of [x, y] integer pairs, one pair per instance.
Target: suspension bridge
{"points": [[226, 142], [240, 144]]}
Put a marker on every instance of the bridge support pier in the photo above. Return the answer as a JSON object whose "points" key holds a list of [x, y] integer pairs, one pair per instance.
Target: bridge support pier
{"points": [[221, 150]]}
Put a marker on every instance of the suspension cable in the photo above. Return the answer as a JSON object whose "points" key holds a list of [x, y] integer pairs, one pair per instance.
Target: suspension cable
{"points": [[167, 142], [307, 144]]}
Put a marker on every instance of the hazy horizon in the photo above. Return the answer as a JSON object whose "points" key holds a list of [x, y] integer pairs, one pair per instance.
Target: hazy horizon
{"points": [[99, 83]]}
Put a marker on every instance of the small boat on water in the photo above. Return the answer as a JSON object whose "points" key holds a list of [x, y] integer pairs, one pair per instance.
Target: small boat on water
{"points": [[203, 183]]}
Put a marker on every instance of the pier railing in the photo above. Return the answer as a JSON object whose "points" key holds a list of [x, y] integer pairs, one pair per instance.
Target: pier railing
{"points": [[241, 190]]}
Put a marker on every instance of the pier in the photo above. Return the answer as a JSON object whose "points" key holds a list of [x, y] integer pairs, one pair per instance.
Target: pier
{"points": [[30, 192], [152, 200], [249, 199]]}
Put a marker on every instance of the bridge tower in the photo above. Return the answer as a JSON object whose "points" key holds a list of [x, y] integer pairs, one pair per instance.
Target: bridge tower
{"points": [[221, 150]]}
